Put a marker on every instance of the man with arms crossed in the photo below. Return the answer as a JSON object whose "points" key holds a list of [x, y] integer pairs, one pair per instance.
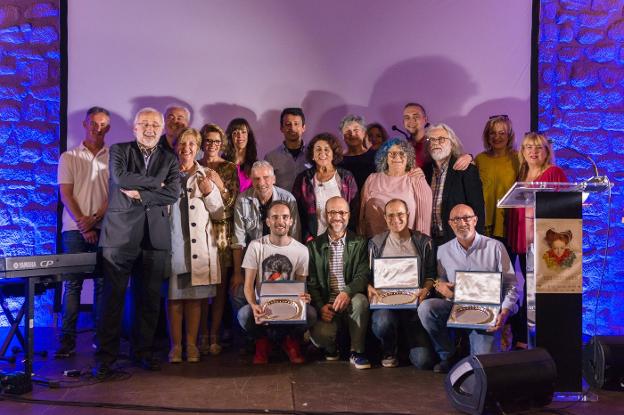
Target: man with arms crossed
{"points": [[136, 237]]}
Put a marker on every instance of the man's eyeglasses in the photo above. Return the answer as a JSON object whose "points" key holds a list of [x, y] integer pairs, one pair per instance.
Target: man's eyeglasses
{"points": [[337, 212], [461, 219], [146, 125], [437, 140]]}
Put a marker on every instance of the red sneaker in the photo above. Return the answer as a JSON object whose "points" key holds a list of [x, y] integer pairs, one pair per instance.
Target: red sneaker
{"points": [[293, 350], [263, 347]]}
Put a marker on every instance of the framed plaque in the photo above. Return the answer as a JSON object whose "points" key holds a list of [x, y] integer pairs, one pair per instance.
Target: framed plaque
{"points": [[477, 299], [397, 282], [281, 303]]}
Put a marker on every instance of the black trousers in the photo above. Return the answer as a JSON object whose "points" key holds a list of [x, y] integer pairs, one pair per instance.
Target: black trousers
{"points": [[147, 268]]}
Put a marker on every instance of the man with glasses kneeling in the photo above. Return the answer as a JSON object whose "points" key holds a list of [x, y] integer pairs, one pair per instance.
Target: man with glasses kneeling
{"points": [[337, 284], [469, 251]]}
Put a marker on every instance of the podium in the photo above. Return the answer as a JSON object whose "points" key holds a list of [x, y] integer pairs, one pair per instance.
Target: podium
{"points": [[554, 274]]}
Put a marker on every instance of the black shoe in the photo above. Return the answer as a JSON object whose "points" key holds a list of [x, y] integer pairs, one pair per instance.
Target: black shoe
{"points": [[443, 367], [67, 349], [102, 371], [148, 363]]}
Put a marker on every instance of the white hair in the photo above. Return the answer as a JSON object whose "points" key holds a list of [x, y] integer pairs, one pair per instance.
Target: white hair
{"points": [[149, 110]]}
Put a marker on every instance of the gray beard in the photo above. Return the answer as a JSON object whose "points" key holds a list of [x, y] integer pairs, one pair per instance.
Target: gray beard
{"points": [[440, 155]]}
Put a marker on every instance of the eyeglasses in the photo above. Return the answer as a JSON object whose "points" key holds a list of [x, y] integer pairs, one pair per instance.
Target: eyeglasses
{"points": [[146, 125], [437, 140], [337, 212], [396, 154], [398, 215], [212, 142], [461, 219], [505, 116]]}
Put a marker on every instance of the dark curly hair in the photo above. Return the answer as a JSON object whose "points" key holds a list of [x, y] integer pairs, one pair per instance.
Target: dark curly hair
{"points": [[333, 142], [251, 152]]}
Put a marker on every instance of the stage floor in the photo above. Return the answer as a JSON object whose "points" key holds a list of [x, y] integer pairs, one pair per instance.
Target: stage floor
{"points": [[231, 384]]}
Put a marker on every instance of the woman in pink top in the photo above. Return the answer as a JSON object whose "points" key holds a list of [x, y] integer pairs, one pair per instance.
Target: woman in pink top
{"points": [[241, 150], [394, 159]]}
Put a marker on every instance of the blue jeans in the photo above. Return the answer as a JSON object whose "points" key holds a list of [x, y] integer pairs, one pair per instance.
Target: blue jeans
{"points": [[73, 243], [275, 331], [434, 314], [386, 324]]}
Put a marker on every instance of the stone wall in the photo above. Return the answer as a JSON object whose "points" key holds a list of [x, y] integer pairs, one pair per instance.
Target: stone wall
{"points": [[581, 106], [29, 132]]}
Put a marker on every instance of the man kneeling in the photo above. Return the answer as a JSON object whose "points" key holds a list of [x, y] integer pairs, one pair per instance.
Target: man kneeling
{"points": [[469, 251], [274, 257]]}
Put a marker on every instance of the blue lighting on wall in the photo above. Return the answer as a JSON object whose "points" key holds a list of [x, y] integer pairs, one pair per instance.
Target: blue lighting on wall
{"points": [[29, 137], [581, 106]]}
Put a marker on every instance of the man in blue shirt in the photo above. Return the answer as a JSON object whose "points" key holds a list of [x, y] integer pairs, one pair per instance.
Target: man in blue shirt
{"points": [[468, 251]]}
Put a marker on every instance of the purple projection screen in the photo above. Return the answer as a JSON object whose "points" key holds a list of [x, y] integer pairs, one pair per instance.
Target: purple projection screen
{"points": [[463, 60]]}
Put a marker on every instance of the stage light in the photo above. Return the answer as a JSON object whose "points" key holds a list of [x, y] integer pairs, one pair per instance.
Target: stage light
{"points": [[498, 382], [603, 362]]}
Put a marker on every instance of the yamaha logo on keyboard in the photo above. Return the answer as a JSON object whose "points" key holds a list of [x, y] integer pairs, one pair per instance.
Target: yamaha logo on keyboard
{"points": [[32, 264]]}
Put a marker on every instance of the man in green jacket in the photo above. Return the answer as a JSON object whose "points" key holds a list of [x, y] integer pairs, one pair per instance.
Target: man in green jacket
{"points": [[337, 282]]}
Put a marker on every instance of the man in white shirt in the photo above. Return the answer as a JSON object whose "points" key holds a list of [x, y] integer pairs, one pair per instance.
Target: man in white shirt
{"points": [[274, 257], [83, 182]]}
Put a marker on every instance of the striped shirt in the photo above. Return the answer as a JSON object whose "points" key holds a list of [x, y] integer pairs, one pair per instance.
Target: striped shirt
{"points": [[336, 276], [437, 188]]}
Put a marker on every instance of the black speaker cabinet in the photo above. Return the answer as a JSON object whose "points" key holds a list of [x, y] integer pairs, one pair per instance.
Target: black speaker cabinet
{"points": [[507, 381], [603, 362]]}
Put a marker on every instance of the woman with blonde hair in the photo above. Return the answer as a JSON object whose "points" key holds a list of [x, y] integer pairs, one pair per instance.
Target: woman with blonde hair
{"points": [[537, 164], [195, 269], [498, 168]]}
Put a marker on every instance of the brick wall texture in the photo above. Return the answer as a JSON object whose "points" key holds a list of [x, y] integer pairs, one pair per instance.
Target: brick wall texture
{"points": [[581, 106], [29, 133]]}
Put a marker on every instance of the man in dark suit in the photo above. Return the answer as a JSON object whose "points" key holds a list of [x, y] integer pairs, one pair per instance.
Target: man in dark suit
{"points": [[135, 239], [450, 187]]}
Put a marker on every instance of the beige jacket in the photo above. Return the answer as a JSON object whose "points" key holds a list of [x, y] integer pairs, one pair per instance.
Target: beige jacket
{"points": [[205, 267]]}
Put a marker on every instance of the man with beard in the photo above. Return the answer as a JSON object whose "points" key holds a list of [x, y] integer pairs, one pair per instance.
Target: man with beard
{"points": [[387, 324], [469, 250], [274, 257], [136, 239], [177, 118], [450, 187], [338, 280], [250, 214], [415, 122], [83, 185], [289, 158]]}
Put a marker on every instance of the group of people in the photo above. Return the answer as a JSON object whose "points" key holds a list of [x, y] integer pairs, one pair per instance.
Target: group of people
{"points": [[199, 211]]}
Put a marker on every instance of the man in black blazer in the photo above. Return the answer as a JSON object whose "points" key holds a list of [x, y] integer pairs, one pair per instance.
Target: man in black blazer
{"points": [[136, 239], [450, 187]]}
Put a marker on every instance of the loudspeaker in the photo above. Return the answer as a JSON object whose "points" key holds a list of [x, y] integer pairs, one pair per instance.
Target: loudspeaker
{"points": [[498, 382], [603, 362]]}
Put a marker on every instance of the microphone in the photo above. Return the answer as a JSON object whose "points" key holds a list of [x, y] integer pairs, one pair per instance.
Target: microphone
{"points": [[397, 129], [599, 182]]}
